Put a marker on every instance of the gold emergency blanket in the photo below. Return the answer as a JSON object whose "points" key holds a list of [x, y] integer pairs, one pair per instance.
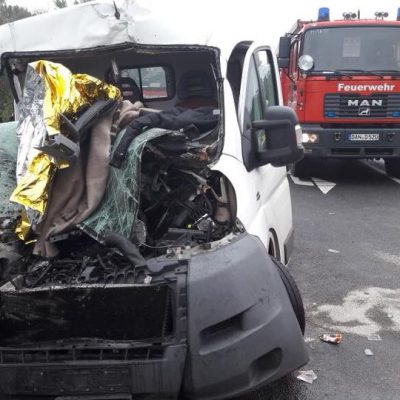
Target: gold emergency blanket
{"points": [[66, 92], [50, 89]]}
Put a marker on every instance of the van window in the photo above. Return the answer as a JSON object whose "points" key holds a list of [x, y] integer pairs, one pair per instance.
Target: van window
{"points": [[253, 104], [261, 92], [153, 81], [253, 97], [267, 81]]}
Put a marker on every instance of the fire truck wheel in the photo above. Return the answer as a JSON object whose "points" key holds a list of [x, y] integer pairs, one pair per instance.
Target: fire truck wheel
{"points": [[301, 169], [293, 293], [392, 166]]}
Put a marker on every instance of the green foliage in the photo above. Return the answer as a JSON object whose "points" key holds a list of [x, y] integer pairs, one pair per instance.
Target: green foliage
{"points": [[6, 102], [60, 3], [12, 13], [8, 14]]}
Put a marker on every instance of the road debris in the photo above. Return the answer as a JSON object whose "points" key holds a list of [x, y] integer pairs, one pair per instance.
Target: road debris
{"points": [[333, 251], [368, 352], [330, 338], [308, 376], [374, 337]]}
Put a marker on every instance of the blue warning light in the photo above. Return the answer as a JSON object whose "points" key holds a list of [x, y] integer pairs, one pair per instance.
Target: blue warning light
{"points": [[323, 14]]}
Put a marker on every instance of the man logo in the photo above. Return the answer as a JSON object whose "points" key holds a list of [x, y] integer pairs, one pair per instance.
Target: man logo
{"points": [[365, 102], [364, 111]]}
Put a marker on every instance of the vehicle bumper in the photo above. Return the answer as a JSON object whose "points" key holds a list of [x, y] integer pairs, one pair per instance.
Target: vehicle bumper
{"points": [[235, 330], [334, 143]]}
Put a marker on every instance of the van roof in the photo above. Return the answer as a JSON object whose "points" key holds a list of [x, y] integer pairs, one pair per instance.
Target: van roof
{"points": [[105, 22]]}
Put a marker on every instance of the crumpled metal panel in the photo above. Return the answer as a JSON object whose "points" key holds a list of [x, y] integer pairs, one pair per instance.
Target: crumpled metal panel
{"points": [[118, 210], [96, 24]]}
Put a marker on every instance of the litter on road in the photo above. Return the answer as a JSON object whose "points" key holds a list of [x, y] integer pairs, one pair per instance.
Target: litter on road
{"points": [[368, 352], [308, 376], [329, 338], [334, 251]]}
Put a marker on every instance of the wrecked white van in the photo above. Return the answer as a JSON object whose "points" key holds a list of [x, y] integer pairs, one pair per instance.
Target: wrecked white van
{"points": [[142, 250]]}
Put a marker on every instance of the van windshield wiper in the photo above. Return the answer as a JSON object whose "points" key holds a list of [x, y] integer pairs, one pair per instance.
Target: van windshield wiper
{"points": [[351, 72], [335, 73], [386, 71], [363, 72]]}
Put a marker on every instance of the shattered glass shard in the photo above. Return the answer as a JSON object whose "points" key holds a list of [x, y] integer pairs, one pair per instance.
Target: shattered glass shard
{"points": [[308, 376], [8, 157], [118, 210]]}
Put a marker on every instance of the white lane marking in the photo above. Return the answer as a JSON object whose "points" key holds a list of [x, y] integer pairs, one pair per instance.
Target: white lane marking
{"points": [[381, 171], [324, 186], [298, 181], [360, 311]]}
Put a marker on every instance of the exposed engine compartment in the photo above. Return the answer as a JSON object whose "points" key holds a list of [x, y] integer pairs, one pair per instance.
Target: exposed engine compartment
{"points": [[179, 208]]}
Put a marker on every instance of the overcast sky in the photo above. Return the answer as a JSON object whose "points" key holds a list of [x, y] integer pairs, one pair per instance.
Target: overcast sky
{"points": [[283, 8], [276, 16]]}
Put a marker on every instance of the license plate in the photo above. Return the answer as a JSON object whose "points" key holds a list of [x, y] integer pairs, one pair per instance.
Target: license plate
{"points": [[363, 137]]}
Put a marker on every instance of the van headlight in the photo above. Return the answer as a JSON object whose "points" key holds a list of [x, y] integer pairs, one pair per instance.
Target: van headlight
{"points": [[310, 137]]}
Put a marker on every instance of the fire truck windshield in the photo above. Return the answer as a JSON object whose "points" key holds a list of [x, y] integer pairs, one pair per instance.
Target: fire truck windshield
{"points": [[353, 50]]}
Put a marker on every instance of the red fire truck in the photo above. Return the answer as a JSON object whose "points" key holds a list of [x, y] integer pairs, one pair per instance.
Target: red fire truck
{"points": [[343, 80]]}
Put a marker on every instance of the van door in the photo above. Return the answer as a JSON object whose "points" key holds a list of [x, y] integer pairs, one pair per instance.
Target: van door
{"points": [[260, 88]]}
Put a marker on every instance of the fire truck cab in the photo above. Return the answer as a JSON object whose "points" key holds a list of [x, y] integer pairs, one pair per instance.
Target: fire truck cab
{"points": [[343, 80]]}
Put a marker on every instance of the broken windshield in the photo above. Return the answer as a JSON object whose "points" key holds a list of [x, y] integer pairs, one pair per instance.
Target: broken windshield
{"points": [[364, 48]]}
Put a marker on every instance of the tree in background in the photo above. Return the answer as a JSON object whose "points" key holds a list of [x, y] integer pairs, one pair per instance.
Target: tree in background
{"points": [[12, 13], [8, 14], [63, 3], [60, 3]]}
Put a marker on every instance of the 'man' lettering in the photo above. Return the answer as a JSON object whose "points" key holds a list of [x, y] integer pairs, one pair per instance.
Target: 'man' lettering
{"points": [[365, 102]]}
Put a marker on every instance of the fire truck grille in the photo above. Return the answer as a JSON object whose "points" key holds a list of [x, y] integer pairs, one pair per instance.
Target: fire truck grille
{"points": [[362, 107]]}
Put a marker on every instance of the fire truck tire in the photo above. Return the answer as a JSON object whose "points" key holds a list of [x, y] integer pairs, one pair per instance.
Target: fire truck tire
{"points": [[301, 169], [392, 166], [293, 293]]}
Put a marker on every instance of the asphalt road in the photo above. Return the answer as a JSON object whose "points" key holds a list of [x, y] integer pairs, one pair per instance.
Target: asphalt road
{"points": [[347, 265]]}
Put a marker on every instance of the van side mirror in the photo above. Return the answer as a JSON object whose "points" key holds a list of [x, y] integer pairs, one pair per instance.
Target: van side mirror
{"points": [[278, 137], [284, 51]]}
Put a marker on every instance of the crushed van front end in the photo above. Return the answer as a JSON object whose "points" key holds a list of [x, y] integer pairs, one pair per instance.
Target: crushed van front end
{"points": [[210, 324]]}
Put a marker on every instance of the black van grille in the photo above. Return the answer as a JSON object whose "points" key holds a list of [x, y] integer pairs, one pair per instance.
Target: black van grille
{"points": [[103, 312], [362, 107], [76, 354]]}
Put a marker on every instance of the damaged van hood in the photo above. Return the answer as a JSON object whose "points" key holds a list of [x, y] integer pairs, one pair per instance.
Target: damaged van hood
{"points": [[104, 23]]}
